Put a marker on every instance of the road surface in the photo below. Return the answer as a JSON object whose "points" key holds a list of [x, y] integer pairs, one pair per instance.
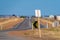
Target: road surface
{"points": [[26, 24], [5, 36]]}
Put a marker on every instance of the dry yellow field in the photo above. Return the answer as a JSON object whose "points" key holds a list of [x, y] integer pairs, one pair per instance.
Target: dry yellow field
{"points": [[9, 23], [47, 34]]}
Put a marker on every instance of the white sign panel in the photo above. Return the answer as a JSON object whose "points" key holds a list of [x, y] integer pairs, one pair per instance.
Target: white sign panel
{"points": [[37, 13]]}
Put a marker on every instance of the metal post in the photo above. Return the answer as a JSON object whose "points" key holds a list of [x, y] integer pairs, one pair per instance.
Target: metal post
{"points": [[47, 25], [32, 26], [1, 27], [39, 30]]}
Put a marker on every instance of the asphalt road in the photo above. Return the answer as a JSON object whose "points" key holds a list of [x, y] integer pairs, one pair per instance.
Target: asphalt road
{"points": [[5, 36], [26, 24]]}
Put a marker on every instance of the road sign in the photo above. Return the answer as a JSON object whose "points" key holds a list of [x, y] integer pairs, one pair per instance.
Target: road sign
{"points": [[37, 13], [35, 24]]}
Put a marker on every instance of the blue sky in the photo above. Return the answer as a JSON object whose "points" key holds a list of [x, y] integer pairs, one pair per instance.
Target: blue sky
{"points": [[27, 7]]}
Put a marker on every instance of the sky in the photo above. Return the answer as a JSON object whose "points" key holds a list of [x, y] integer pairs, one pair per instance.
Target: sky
{"points": [[28, 7]]}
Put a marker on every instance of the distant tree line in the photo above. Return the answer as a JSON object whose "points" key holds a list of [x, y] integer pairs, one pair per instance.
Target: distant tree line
{"points": [[24, 16]]}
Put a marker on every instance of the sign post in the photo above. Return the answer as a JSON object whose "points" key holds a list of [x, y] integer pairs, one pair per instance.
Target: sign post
{"points": [[32, 26], [38, 15], [1, 27]]}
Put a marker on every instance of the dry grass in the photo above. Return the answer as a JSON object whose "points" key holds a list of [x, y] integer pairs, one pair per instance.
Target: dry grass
{"points": [[11, 24], [52, 33]]}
